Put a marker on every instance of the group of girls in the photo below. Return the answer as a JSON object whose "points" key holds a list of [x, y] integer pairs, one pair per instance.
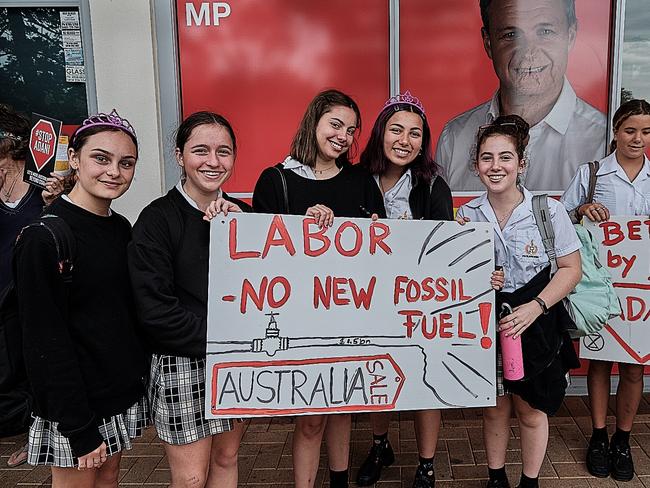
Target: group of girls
{"points": [[128, 334]]}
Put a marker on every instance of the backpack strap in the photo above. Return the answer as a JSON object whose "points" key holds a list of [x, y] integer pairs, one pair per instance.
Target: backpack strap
{"points": [[285, 192], [593, 169], [64, 240], [543, 220]]}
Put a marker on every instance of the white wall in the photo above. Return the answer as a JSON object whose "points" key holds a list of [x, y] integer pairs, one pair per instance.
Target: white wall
{"points": [[124, 59]]}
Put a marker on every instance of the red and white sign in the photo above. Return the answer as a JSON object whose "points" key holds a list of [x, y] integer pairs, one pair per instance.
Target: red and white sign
{"points": [[624, 250], [361, 316], [42, 143]]}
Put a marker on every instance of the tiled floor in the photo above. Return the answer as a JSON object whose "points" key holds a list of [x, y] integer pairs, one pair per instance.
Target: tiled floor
{"points": [[265, 454]]}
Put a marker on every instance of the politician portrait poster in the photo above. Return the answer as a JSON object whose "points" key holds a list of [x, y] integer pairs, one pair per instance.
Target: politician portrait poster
{"points": [[545, 60]]}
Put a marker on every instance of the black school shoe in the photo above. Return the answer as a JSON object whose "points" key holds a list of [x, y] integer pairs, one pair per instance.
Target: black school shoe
{"points": [[598, 458], [497, 484], [621, 465], [381, 454], [425, 477]]}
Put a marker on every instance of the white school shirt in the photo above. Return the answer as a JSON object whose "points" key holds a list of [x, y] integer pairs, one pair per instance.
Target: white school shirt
{"points": [[396, 200], [181, 190], [571, 133], [613, 188], [299, 168], [519, 247]]}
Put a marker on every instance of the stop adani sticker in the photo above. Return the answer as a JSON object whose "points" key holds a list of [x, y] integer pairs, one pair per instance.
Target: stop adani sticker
{"points": [[43, 139]]}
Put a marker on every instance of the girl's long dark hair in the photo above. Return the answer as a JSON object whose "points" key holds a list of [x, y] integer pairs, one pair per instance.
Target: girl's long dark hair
{"points": [[373, 158]]}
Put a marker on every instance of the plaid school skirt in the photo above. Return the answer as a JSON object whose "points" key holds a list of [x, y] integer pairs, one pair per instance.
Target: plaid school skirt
{"points": [[177, 399], [46, 446]]}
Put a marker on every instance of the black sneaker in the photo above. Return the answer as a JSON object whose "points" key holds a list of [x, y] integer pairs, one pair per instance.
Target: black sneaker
{"points": [[425, 477], [381, 454], [497, 484], [597, 458], [621, 465]]}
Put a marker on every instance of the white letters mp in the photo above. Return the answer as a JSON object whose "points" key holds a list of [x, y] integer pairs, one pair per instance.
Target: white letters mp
{"points": [[361, 316]]}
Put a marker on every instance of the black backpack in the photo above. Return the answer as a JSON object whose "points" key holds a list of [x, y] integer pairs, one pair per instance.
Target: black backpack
{"points": [[15, 393]]}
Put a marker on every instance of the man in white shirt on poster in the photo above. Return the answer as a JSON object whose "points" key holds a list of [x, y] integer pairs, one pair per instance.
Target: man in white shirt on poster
{"points": [[528, 42]]}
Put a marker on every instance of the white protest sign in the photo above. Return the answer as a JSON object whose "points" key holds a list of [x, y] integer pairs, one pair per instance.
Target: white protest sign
{"points": [[625, 251], [361, 316]]}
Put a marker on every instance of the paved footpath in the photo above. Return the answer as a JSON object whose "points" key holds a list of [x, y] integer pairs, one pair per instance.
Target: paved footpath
{"points": [[265, 454]]}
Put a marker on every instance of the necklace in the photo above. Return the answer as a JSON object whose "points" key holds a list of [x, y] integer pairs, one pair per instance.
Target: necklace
{"points": [[509, 213], [7, 193], [321, 171]]}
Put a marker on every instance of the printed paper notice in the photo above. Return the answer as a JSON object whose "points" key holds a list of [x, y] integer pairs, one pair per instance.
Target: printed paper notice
{"points": [[71, 39], [69, 20], [75, 74]]}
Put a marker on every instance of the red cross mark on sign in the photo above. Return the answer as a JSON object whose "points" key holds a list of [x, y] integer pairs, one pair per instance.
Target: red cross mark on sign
{"points": [[42, 143]]}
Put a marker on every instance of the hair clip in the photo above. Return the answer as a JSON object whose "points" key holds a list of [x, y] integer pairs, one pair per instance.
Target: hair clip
{"points": [[8, 135]]}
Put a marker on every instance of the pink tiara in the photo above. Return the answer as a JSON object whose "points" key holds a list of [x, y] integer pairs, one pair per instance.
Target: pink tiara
{"points": [[111, 120], [405, 97]]}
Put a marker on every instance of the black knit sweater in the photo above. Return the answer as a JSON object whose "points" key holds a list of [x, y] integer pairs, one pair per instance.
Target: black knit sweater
{"points": [[83, 360], [348, 194], [168, 262]]}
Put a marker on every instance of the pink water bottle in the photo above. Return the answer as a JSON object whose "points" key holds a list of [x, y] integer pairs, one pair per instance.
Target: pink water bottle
{"points": [[512, 359]]}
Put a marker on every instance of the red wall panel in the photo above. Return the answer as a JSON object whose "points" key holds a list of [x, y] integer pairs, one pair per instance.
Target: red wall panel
{"points": [[263, 63]]}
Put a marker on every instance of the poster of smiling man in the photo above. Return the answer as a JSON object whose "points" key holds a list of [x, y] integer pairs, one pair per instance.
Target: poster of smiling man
{"points": [[528, 42], [361, 316]]}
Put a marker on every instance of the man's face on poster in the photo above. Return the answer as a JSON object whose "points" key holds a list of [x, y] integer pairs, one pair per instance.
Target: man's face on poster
{"points": [[529, 43]]}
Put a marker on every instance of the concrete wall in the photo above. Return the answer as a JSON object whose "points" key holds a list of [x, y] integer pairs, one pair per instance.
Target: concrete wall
{"points": [[125, 72]]}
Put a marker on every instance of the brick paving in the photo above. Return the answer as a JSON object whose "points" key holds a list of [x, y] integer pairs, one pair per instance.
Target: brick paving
{"points": [[265, 454]]}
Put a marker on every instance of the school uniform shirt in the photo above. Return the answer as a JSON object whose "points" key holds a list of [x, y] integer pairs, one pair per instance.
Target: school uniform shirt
{"points": [[519, 247], [571, 133], [613, 188], [299, 168], [396, 200]]}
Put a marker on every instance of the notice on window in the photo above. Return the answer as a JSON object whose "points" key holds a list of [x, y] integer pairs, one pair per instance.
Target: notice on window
{"points": [[75, 74], [71, 39], [69, 20]]}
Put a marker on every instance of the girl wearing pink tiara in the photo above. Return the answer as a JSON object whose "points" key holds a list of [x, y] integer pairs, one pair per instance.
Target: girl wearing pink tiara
{"points": [[398, 155], [82, 355]]}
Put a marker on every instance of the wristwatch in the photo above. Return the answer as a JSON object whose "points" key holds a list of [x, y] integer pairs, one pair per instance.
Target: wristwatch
{"points": [[542, 304]]}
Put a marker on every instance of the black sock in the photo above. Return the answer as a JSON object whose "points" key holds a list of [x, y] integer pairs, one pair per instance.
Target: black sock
{"points": [[498, 474], [380, 439], [426, 464], [527, 482], [599, 435], [339, 479], [425, 461], [621, 437]]}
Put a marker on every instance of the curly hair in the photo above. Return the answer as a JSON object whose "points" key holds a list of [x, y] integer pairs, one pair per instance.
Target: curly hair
{"points": [[14, 133]]}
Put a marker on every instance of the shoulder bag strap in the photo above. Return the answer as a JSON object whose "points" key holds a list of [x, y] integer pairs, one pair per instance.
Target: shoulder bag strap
{"points": [[285, 192], [593, 169], [543, 220]]}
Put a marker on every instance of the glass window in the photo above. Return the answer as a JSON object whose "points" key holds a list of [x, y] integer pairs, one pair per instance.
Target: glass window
{"points": [[42, 63], [636, 46]]}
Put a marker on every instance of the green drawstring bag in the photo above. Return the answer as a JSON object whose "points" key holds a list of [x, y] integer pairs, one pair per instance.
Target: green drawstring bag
{"points": [[593, 302]]}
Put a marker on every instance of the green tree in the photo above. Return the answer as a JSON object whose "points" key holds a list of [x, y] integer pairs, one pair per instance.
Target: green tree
{"points": [[32, 65]]}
